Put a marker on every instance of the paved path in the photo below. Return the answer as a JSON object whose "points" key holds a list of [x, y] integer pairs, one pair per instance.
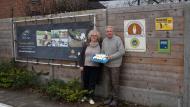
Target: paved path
{"points": [[29, 99]]}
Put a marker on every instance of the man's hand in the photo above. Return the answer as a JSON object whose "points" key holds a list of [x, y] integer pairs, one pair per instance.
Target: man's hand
{"points": [[109, 57]]}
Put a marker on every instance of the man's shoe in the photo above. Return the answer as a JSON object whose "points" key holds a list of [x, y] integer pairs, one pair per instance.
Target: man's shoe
{"points": [[108, 101], [114, 103]]}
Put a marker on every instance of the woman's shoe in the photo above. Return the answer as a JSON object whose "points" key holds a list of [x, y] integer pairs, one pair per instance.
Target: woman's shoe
{"points": [[91, 101]]}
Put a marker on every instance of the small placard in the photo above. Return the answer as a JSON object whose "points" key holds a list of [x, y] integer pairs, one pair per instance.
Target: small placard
{"points": [[135, 35], [164, 46], [164, 23]]}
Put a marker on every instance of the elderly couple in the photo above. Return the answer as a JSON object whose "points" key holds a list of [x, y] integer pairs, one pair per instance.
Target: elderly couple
{"points": [[113, 47]]}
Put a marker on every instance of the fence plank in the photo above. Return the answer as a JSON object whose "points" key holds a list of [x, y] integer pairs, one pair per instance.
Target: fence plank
{"points": [[159, 61]]}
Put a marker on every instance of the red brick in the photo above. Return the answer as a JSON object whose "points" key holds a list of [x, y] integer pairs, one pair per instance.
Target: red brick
{"points": [[23, 7]]}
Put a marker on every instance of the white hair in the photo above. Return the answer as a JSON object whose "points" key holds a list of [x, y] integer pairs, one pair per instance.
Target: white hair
{"points": [[92, 32]]}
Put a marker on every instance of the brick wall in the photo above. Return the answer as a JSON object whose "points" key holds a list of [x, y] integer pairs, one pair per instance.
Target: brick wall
{"points": [[5, 8], [17, 8]]}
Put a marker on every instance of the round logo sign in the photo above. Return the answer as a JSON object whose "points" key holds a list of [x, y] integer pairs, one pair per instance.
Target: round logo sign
{"points": [[134, 42], [134, 29]]}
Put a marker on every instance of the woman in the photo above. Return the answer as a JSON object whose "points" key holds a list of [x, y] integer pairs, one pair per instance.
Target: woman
{"points": [[90, 69]]}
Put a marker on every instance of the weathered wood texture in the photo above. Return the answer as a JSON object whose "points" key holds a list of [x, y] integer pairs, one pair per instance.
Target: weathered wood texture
{"points": [[149, 76], [152, 70], [5, 39], [133, 73]]}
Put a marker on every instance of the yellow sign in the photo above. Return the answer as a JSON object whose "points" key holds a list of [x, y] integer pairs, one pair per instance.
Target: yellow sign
{"points": [[165, 23]]}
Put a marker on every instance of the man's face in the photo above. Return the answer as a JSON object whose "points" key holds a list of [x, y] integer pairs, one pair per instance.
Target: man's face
{"points": [[109, 32]]}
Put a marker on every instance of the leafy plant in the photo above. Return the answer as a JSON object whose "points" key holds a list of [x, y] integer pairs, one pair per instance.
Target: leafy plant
{"points": [[24, 78], [12, 76], [69, 92], [15, 77]]}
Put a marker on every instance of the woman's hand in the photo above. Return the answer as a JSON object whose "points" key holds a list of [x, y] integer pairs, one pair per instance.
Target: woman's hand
{"points": [[81, 68]]}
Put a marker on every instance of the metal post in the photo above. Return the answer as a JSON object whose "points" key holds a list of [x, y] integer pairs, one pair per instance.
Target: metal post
{"points": [[54, 18], [138, 2], [14, 40], [94, 22]]}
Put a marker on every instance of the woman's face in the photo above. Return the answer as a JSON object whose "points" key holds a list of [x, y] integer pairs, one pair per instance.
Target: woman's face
{"points": [[94, 37]]}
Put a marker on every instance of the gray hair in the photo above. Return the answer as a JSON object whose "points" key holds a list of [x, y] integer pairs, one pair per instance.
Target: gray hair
{"points": [[109, 27], [92, 32]]}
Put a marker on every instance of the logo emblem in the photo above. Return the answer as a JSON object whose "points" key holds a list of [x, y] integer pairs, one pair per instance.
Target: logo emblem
{"points": [[135, 42]]}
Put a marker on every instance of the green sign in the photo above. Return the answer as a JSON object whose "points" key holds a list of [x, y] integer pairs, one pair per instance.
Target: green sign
{"points": [[135, 42], [164, 46]]}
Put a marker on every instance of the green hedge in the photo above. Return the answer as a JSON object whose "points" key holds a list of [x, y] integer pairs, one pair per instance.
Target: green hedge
{"points": [[12, 76], [15, 77], [70, 91]]}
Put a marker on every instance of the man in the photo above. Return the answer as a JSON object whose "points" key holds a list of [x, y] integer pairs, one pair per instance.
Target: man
{"points": [[113, 47]]}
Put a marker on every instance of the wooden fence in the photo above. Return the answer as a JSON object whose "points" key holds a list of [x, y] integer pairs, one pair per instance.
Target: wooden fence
{"points": [[149, 78]]}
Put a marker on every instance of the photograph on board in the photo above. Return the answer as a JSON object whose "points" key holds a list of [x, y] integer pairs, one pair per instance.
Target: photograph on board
{"points": [[43, 38], [60, 38]]}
